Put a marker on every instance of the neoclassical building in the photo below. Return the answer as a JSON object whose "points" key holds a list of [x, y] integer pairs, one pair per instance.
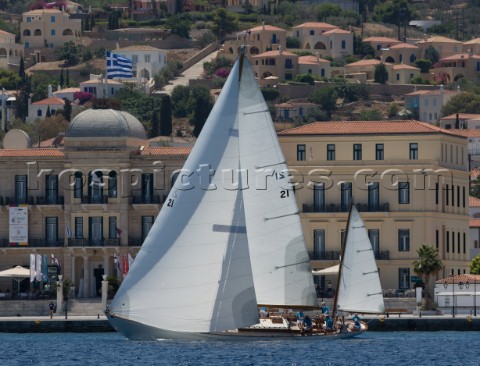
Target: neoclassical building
{"points": [[95, 198]]}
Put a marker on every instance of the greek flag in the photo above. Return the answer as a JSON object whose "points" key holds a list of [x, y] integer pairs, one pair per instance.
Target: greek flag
{"points": [[118, 66]]}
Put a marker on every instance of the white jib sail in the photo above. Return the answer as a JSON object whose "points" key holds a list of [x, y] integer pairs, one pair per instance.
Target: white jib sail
{"points": [[280, 262], [193, 272], [359, 287]]}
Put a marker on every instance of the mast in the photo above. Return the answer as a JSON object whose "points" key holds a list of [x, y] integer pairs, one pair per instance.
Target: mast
{"points": [[342, 257]]}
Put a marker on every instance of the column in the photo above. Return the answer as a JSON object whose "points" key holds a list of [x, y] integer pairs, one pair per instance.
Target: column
{"points": [[104, 293], [73, 274], [86, 277], [106, 264]]}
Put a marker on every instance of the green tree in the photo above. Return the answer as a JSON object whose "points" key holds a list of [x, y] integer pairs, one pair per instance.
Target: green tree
{"points": [[326, 98], [60, 80], [475, 265], [155, 130], [9, 79], [201, 109], [432, 55], [325, 11], [21, 69], [67, 78], [304, 78], [48, 114], [370, 115], [381, 74], [21, 111], [361, 48], [67, 109], [427, 265], [223, 23], [70, 53], [179, 24], [180, 101], [467, 102], [424, 65], [398, 12], [166, 116]]}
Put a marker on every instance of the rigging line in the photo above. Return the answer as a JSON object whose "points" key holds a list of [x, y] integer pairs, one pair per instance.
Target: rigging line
{"points": [[376, 293], [262, 111], [293, 264], [358, 227], [278, 217], [269, 165], [365, 273], [365, 250]]}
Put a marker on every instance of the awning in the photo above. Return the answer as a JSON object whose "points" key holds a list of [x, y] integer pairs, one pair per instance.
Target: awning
{"points": [[327, 271]]}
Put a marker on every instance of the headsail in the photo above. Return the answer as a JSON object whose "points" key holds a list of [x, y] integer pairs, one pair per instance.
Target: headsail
{"points": [[280, 261], [359, 289], [193, 272]]}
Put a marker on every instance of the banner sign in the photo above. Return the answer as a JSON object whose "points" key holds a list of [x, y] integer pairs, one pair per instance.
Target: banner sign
{"points": [[18, 225]]}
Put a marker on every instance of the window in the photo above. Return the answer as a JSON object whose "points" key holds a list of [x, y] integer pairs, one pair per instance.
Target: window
{"points": [[465, 243], [147, 188], [39, 112], [330, 152], [453, 242], [147, 58], [319, 244], [403, 278], [288, 63], [112, 227], [453, 195], [436, 193], [51, 188], [319, 197], [51, 230], [29, 19], [96, 230], [344, 45], [414, 151], [379, 152], [398, 76], [357, 151], [346, 195], [447, 236], [458, 242], [374, 236], [112, 184], [312, 33], [301, 153], [52, 32], [437, 239], [52, 19], [21, 188], [403, 240], [373, 196], [447, 189], [78, 185], [79, 227], [403, 193], [147, 223], [95, 187], [463, 202], [134, 59]]}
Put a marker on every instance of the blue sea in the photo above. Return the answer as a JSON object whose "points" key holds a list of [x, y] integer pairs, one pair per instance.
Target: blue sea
{"points": [[374, 348]]}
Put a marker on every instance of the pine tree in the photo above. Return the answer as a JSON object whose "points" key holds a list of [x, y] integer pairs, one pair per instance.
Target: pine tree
{"points": [[86, 24], [48, 114], [67, 79], [155, 131], [92, 22], [61, 81], [201, 109], [67, 109], [21, 70], [22, 99], [166, 116]]}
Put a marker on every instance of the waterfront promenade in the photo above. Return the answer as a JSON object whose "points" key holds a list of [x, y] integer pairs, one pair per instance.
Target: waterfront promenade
{"points": [[99, 323]]}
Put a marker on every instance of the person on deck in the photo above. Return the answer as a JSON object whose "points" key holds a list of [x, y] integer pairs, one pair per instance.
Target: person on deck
{"points": [[307, 324], [300, 316], [51, 308], [324, 308], [328, 324], [356, 322]]}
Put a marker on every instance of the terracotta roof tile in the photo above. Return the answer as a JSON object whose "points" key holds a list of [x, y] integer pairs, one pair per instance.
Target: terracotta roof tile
{"points": [[267, 27], [462, 116], [405, 67], [460, 56], [461, 278], [473, 202], [50, 101], [336, 31], [404, 45], [274, 53], [472, 41], [432, 92], [474, 173], [138, 48], [439, 39], [366, 128], [381, 40], [67, 90], [318, 25], [466, 132], [33, 152], [371, 62], [311, 60], [99, 81], [166, 150]]}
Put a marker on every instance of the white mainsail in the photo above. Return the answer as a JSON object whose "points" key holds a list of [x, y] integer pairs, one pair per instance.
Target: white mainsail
{"points": [[280, 261], [193, 272], [359, 288]]}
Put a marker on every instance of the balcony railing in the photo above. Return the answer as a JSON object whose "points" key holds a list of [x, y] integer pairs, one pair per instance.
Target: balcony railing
{"points": [[85, 242], [19, 200], [49, 200], [36, 243], [135, 242], [361, 207], [95, 199], [326, 255], [383, 255], [154, 199]]}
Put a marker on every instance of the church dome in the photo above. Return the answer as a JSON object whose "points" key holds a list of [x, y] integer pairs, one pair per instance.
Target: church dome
{"points": [[105, 123]]}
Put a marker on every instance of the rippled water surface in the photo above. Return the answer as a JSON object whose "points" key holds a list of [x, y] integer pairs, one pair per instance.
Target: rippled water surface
{"points": [[374, 348]]}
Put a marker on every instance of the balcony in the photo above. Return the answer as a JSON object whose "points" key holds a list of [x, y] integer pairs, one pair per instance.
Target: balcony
{"points": [[146, 200], [94, 199], [49, 201], [84, 242], [361, 207], [35, 243], [135, 242], [19, 200], [383, 255], [332, 255]]}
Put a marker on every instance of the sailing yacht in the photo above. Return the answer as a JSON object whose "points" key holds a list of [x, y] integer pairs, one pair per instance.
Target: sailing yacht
{"points": [[228, 238]]}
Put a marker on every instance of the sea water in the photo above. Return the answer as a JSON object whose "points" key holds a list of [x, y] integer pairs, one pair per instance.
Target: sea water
{"points": [[373, 348]]}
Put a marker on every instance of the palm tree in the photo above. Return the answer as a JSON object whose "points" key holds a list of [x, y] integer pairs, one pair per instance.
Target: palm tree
{"points": [[427, 265]]}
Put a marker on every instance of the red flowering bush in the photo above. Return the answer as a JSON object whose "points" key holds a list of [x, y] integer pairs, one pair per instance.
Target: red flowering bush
{"points": [[82, 97], [223, 72]]}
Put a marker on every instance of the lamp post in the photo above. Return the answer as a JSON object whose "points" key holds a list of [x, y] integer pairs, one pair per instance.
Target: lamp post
{"points": [[460, 285], [475, 297], [453, 295]]}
